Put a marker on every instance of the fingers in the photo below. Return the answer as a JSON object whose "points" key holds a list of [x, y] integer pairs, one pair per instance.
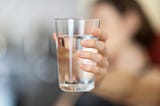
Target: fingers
{"points": [[98, 33], [93, 69], [54, 36], [99, 45], [98, 58]]}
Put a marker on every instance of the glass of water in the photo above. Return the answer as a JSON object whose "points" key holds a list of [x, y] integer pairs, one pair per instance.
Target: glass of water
{"points": [[70, 32]]}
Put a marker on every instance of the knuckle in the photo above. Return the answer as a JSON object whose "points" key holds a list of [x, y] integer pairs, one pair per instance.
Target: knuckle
{"points": [[105, 64], [90, 55], [94, 43], [102, 47], [100, 58]]}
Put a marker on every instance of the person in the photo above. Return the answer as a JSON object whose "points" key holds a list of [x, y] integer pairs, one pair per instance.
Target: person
{"points": [[123, 65]]}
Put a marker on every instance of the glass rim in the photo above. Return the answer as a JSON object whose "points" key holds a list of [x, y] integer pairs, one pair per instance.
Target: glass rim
{"points": [[77, 19]]}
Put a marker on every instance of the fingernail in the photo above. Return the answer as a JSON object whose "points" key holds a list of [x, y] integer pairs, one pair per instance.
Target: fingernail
{"points": [[82, 66], [85, 67]]}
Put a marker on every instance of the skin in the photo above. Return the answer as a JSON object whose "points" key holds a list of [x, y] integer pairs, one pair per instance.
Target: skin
{"points": [[100, 57]]}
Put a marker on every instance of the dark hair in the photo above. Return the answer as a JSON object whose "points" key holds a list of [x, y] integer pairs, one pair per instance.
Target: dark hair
{"points": [[145, 34]]}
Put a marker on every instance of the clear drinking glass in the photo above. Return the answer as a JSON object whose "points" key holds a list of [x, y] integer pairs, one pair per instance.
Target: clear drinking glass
{"points": [[70, 32]]}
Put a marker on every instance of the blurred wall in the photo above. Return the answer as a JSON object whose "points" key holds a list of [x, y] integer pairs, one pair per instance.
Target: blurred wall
{"points": [[28, 68]]}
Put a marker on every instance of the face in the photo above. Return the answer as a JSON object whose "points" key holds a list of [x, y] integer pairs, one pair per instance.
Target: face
{"points": [[116, 26]]}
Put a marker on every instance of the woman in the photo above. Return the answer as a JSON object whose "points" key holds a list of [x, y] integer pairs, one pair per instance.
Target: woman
{"points": [[129, 34]]}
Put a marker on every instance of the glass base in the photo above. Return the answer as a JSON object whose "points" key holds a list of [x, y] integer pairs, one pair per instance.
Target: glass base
{"points": [[76, 87]]}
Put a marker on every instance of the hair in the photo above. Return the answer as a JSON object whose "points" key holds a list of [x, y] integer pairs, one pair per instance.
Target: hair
{"points": [[145, 34]]}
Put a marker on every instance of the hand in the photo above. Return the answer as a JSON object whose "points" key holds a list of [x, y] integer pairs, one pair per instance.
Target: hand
{"points": [[100, 57]]}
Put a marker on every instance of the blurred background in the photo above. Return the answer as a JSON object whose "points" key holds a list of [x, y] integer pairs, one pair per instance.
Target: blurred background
{"points": [[28, 68]]}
